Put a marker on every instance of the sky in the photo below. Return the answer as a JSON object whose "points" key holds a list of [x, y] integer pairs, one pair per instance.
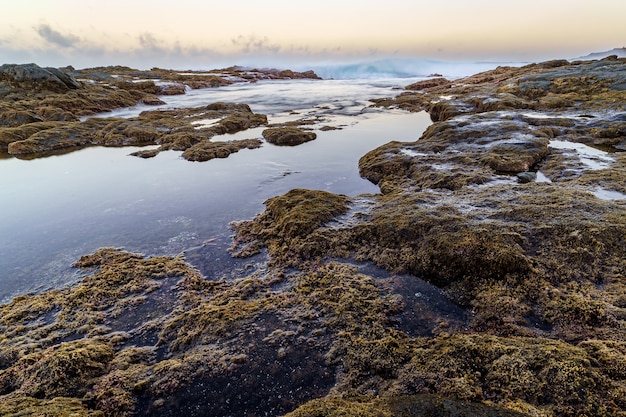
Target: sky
{"points": [[194, 34]]}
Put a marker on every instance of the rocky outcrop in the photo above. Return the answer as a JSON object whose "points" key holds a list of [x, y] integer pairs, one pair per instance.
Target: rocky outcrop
{"points": [[171, 129], [430, 83], [35, 77], [536, 265], [502, 121], [31, 95]]}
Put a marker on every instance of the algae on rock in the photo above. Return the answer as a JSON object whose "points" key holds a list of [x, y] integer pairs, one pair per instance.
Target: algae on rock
{"points": [[537, 268], [35, 95]]}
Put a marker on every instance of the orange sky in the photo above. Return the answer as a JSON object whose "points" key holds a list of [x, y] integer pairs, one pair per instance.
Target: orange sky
{"points": [[197, 33]]}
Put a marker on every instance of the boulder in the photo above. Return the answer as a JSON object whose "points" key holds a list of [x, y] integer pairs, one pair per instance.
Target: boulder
{"points": [[35, 76]]}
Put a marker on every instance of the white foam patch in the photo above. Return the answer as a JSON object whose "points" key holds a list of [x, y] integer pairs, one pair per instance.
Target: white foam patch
{"points": [[539, 115], [410, 152], [541, 177], [206, 122]]}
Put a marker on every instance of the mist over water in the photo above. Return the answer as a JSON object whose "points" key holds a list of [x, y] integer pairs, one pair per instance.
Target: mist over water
{"points": [[403, 68]]}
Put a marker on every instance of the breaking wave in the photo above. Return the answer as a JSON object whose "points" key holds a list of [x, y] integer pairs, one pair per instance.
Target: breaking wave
{"points": [[404, 68]]}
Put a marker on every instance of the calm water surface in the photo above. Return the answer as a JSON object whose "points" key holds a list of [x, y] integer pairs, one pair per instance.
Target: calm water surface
{"points": [[55, 209]]}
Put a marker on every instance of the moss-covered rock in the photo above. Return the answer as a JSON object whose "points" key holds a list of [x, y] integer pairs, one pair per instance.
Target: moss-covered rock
{"points": [[34, 95], [416, 405], [287, 223], [56, 407], [548, 375], [66, 370], [538, 264], [429, 83], [207, 150], [172, 129], [535, 270], [288, 136]]}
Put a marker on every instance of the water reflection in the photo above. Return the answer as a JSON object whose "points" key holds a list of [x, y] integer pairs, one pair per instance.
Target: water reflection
{"points": [[590, 157]]}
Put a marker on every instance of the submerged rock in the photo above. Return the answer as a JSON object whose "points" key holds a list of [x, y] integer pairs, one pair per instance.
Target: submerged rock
{"points": [[526, 177]]}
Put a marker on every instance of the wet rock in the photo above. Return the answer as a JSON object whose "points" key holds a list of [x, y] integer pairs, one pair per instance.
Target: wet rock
{"points": [[59, 371], [289, 74], [501, 121], [31, 94], [288, 136], [417, 405], [152, 100], [172, 129], [535, 268], [294, 215], [146, 154], [16, 117], [56, 407], [143, 346], [526, 177], [207, 150], [538, 264]]}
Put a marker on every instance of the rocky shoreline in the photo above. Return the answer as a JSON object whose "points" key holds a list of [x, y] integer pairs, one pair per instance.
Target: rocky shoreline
{"points": [[523, 236], [45, 110]]}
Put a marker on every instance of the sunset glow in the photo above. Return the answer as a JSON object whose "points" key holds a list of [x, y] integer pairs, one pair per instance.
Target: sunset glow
{"points": [[193, 33]]}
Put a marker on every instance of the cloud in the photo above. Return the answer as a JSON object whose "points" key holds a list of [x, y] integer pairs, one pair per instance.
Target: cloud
{"points": [[252, 43], [148, 41], [55, 37]]}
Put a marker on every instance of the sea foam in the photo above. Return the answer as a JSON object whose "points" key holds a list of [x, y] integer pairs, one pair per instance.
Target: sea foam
{"points": [[404, 68]]}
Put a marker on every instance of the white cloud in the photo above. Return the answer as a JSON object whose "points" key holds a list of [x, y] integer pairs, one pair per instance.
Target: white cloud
{"points": [[55, 37], [254, 44]]}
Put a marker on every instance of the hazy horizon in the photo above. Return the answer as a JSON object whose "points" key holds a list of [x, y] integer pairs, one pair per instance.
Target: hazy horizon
{"points": [[196, 35]]}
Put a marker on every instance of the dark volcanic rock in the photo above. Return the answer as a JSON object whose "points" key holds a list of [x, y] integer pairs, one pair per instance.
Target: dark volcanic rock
{"points": [[32, 75]]}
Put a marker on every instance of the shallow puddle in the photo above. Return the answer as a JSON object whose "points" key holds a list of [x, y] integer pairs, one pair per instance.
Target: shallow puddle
{"points": [[427, 308], [604, 194], [592, 158]]}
